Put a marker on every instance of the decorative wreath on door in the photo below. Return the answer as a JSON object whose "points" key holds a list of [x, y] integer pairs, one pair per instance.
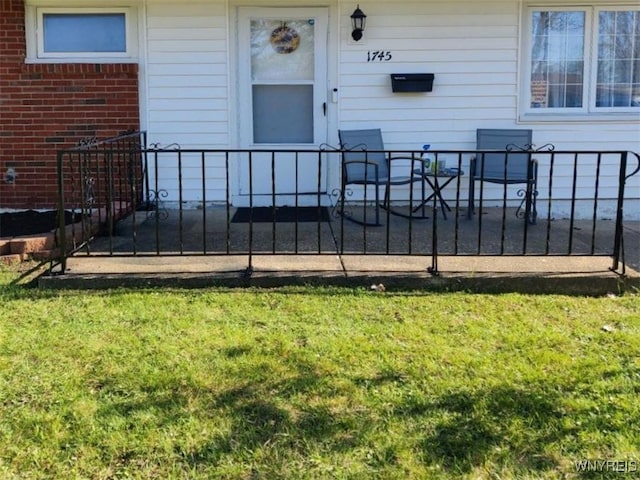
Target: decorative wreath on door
{"points": [[285, 39]]}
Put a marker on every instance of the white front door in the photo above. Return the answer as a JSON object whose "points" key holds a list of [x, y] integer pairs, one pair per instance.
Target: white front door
{"points": [[282, 102]]}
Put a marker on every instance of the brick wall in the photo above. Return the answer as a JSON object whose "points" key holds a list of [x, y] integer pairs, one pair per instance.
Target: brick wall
{"points": [[46, 107]]}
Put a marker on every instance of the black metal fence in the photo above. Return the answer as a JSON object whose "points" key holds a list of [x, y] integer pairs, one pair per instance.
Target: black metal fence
{"points": [[139, 200]]}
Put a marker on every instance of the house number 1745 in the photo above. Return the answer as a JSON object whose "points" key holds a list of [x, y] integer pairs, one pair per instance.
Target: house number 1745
{"points": [[378, 56]]}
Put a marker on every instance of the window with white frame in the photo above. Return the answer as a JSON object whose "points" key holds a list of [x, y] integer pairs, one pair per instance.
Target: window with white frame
{"points": [[583, 60], [106, 34]]}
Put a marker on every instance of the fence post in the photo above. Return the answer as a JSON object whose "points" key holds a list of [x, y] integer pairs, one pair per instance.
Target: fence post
{"points": [[618, 248], [62, 234], [433, 269]]}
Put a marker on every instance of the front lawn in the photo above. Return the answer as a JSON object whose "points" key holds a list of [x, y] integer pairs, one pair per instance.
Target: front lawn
{"points": [[315, 383]]}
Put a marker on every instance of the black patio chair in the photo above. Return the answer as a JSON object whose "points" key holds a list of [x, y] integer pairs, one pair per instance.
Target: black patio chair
{"points": [[508, 161], [364, 162]]}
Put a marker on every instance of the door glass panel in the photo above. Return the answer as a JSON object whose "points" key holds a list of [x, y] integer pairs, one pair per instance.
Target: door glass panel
{"points": [[282, 50], [283, 113], [282, 77]]}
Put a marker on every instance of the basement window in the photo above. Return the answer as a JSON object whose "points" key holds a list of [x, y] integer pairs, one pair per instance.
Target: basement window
{"points": [[74, 35]]}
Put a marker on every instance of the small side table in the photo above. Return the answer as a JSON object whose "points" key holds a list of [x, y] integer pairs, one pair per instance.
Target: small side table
{"points": [[432, 179]]}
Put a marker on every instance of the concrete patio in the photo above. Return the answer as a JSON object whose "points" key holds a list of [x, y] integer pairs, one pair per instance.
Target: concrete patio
{"points": [[192, 248]]}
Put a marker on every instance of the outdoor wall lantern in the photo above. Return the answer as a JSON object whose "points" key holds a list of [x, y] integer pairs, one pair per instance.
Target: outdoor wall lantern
{"points": [[358, 20]]}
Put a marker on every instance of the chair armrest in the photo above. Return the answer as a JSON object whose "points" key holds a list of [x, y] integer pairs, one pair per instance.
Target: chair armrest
{"points": [[414, 160], [366, 162], [359, 161]]}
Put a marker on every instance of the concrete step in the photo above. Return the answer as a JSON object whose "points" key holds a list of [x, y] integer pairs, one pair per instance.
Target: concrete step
{"points": [[32, 243], [42, 246], [535, 275], [11, 259], [5, 247], [18, 249]]}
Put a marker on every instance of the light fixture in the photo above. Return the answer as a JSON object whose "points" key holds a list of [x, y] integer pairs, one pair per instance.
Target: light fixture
{"points": [[358, 20]]}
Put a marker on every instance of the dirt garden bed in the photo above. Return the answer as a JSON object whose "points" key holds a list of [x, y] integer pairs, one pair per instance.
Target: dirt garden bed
{"points": [[32, 222]]}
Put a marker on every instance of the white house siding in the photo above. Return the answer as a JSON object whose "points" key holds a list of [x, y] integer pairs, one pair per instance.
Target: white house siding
{"points": [[472, 48], [187, 91]]}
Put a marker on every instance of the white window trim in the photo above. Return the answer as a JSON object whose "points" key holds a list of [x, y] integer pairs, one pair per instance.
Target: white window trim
{"points": [[588, 112], [35, 39]]}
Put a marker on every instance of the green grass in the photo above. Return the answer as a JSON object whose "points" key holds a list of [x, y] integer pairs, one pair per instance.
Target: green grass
{"points": [[314, 383]]}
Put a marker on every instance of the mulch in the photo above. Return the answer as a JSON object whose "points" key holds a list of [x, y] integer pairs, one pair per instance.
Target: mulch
{"points": [[31, 222]]}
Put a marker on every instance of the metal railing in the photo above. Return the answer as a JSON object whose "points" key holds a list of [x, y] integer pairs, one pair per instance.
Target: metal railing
{"points": [[140, 200]]}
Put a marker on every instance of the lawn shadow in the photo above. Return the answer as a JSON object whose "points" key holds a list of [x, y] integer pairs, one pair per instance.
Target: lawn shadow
{"points": [[504, 423], [269, 414], [285, 416], [263, 412]]}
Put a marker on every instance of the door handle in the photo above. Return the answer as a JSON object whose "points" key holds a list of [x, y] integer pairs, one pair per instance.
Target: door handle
{"points": [[324, 108]]}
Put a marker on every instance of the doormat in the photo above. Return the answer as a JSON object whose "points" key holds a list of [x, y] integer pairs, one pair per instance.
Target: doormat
{"points": [[280, 214]]}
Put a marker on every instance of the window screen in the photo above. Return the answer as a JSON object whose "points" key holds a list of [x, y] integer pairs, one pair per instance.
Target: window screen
{"points": [[283, 113]]}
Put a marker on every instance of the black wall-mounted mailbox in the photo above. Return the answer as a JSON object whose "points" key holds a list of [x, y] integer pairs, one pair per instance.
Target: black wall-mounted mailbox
{"points": [[412, 82]]}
